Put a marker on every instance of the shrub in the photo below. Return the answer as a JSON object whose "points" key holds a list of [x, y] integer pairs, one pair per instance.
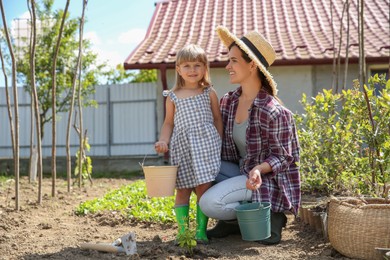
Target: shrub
{"points": [[345, 147]]}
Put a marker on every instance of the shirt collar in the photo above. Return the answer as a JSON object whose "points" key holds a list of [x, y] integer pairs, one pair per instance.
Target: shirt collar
{"points": [[259, 101]]}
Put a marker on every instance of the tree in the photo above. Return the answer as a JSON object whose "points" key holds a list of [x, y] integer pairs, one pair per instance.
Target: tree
{"points": [[54, 101], [34, 98], [362, 59], [121, 76], [50, 23], [118, 75], [145, 76], [74, 82], [14, 124]]}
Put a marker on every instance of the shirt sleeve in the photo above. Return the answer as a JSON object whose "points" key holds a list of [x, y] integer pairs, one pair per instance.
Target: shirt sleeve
{"points": [[279, 133]]}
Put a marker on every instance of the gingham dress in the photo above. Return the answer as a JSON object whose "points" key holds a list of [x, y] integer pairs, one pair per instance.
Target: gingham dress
{"points": [[195, 144]]}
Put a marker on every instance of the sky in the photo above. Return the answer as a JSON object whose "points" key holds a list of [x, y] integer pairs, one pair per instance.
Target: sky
{"points": [[114, 27]]}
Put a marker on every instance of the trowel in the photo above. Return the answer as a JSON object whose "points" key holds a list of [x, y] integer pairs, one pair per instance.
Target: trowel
{"points": [[125, 244]]}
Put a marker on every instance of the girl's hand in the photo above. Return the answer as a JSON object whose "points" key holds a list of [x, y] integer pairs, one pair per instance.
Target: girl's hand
{"points": [[254, 180], [161, 147]]}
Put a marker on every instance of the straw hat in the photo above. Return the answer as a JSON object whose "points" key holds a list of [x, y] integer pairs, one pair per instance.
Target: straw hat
{"points": [[257, 48]]}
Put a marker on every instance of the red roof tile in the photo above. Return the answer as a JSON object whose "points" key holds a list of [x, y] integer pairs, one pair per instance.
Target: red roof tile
{"points": [[299, 30]]}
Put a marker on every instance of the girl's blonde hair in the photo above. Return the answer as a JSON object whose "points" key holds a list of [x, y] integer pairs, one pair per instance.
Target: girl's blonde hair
{"points": [[192, 53]]}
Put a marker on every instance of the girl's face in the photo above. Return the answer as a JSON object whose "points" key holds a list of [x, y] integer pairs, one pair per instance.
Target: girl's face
{"points": [[239, 69], [191, 72]]}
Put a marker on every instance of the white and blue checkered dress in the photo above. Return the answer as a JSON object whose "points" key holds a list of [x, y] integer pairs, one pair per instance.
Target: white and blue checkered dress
{"points": [[195, 144]]}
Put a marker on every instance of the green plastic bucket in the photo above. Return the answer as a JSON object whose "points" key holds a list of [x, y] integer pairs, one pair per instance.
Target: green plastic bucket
{"points": [[254, 220]]}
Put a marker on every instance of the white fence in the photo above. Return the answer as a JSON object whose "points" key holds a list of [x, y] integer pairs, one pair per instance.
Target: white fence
{"points": [[123, 124]]}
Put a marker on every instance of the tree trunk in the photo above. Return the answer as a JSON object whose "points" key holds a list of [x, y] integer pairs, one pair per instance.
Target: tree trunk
{"points": [[8, 102], [54, 107], [334, 50], [36, 102], [362, 60], [78, 65], [339, 50], [32, 120], [80, 101], [81, 144], [346, 49], [16, 109], [31, 167]]}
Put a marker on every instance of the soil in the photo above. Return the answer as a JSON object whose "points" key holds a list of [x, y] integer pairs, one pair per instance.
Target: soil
{"points": [[52, 230]]}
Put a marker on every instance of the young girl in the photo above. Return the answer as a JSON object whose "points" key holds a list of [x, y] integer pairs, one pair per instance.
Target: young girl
{"points": [[193, 128]]}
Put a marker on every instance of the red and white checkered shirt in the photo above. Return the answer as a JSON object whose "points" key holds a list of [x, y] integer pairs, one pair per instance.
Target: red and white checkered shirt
{"points": [[271, 137]]}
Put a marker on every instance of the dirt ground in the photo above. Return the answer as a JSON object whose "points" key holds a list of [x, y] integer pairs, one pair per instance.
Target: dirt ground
{"points": [[53, 231]]}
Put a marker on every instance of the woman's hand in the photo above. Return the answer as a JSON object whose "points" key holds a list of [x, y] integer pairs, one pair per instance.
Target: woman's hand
{"points": [[254, 180], [161, 147]]}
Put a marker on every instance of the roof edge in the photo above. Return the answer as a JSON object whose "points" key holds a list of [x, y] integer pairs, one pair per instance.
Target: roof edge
{"points": [[148, 32], [147, 66], [222, 64]]}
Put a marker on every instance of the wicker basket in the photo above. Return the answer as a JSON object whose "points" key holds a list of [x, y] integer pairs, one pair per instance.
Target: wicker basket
{"points": [[357, 226]]}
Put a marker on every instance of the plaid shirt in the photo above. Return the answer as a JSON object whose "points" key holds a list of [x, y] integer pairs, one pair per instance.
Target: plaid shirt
{"points": [[271, 137]]}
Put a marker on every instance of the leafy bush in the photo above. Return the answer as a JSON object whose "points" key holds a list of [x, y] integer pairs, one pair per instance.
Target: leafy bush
{"points": [[342, 149], [133, 202]]}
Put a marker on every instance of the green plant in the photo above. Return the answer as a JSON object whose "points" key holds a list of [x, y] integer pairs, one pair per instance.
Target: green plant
{"points": [[86, 162], [378, 136], [341, 152], [132, 201], [187, 240]]}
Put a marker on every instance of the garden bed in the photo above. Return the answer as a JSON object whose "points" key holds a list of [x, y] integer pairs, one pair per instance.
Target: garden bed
{"points": [[53, 231]]}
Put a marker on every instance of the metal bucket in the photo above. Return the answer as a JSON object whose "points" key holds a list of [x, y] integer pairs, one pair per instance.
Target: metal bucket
{"points": [[160, 180], [254, 220]]}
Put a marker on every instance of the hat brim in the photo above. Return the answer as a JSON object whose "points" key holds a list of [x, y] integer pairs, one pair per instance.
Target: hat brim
{"points": [[228, 38]]}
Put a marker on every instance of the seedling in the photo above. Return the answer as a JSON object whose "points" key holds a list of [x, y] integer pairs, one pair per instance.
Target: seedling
{"points": [[187, 240]]}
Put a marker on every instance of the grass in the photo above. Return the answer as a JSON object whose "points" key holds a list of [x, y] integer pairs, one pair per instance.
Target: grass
{"points": [[4, 178]]}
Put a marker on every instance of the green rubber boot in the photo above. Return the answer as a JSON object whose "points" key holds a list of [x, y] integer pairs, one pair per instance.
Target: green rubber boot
{"points": [[182, 218], [201, 227], [278, 221]]}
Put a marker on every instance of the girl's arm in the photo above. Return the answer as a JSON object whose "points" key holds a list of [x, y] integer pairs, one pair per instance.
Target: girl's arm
{"points": [[216, 112], [167, 128]]}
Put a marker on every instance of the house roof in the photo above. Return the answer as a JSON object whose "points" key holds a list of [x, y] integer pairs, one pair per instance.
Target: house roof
{"points": [[299, 30]]}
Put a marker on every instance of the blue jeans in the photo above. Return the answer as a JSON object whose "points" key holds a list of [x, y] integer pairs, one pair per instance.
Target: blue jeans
{"points": [[219, 201]]}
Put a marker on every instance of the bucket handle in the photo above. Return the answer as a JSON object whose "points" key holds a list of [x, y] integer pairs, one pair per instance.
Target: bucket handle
{"points": [[246, 193], [142, 164], [143, 161]]}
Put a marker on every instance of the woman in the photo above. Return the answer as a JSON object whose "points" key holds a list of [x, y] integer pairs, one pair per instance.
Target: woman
{"points": [[260, 149]]}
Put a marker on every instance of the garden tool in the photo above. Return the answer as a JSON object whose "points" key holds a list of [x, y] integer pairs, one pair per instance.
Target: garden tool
{"points": [[104, 247], [125, 244], [129, 244], [384, 252]]}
